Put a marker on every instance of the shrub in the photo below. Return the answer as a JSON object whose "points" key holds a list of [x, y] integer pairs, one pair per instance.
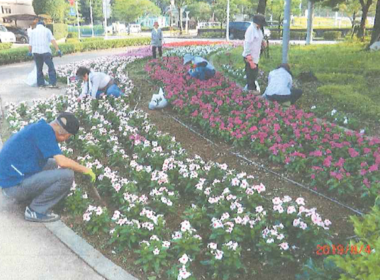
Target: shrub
{"points": [[20, 54], [364, 253], [5, 46], [275, 35], [332, 35], [72, 35], [72, 41], [59, 30], [211, 35], [294, 35]]}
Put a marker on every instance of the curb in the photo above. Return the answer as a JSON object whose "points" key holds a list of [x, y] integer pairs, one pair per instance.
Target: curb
{"points": [[87, 253]]}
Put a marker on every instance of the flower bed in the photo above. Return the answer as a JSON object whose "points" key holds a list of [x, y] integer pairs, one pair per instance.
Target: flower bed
{"points": [[194, 43], [342, 162], [175, 212]]}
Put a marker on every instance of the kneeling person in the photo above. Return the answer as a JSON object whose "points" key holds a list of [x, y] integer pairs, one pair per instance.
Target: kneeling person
{"points": [[201, 68], [29, 164], [97, 83], [280, 86]]}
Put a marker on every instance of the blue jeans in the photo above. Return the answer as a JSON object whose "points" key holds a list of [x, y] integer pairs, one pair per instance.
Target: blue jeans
{"points": [[202, 73], [40, 59], [112, 90]]}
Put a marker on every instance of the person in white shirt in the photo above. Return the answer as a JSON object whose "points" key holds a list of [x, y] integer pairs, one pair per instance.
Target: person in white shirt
{"points": [[39, 48], [96, 83], [253, 43], [280, 86]]}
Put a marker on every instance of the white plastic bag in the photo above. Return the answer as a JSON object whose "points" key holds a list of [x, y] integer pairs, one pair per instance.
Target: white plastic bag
{"points": [[158, 101], [31, 80]]}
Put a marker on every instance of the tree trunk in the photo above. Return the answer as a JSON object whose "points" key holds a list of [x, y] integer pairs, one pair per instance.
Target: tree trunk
{"points": [[365, 8], [261, 7], [310, 13], [376, 26], [353, 20], [180, 20]]}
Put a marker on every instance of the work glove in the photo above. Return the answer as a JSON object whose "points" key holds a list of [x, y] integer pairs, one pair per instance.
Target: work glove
{"points": [[59, 53], [29, 54], [91, 174]]}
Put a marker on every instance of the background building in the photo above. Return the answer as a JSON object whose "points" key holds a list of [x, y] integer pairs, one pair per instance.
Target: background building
{"points": [[14, 7]]}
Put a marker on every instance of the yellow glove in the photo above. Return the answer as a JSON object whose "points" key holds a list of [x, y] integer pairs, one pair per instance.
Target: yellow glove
{"points": [[91, 174]]}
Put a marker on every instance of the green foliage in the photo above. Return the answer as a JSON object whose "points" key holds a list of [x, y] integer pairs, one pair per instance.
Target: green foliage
{"points": [[59, 30], [20, 54], [331, 35], [297, 35], [72, 35], [362, 262], [275, 35], [5, 46], [221, 12], [347, 96], [211, 34], [201, 11], [319, 270], [130, 10], [54, 8], [97, 9]]}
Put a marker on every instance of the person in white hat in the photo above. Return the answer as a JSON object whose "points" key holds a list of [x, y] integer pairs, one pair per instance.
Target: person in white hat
{"points": [[253, 43]]}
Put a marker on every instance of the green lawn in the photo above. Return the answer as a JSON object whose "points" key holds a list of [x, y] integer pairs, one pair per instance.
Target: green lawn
{"points": [[348, 80]]}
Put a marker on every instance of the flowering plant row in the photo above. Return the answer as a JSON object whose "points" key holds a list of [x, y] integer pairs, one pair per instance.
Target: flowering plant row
{"points": [[194, 43], [174, 211], [343, 162], [196, 50]]}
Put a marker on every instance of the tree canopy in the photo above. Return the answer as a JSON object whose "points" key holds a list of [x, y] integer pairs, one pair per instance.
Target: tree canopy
{"points": [[56, 9], [201, 11], [131, 10]]}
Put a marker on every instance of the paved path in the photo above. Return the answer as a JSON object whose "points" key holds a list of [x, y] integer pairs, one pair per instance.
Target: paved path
{"points": [[29, 250]]}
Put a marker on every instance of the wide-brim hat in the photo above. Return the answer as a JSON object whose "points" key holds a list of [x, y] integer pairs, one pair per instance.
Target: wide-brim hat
{"points": [[259, 20], [187, 58]]}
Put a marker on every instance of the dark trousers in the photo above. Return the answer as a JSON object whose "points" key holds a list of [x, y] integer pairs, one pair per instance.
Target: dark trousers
{"points": [[154, 51], [295, 94], [40, 59], [251, 75]]}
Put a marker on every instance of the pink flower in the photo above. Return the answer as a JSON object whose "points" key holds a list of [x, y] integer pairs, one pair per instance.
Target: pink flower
{"points": [[353, 153]]}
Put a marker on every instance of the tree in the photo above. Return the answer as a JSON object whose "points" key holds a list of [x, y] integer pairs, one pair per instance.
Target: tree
{"points": [[276, 8], [131, 10], [376, 27], [350, 8], [261, 7], [201, 11], [365, 8], [56, 9], [97, 9], [162, 4], [220, 10]]}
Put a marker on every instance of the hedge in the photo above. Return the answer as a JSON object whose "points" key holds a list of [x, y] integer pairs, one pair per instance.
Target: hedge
{"points": [[5, 46], [59, 30], [20, 54], [332, 35]]}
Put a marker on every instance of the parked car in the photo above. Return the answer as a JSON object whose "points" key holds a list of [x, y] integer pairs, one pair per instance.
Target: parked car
{"points": [[6, 36], [21, 34], [237, 29]]}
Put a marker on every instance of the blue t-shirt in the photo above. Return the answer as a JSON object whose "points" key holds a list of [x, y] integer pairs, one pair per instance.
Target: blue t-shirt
{"points": [[26, 153]]}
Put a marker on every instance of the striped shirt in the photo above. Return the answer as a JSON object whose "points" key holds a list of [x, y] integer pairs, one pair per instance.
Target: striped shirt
{"points": [[252, 43], [40, 39]]}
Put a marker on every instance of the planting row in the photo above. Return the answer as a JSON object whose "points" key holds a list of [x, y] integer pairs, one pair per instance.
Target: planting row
{"points": [[341, 162], [179, 215]]}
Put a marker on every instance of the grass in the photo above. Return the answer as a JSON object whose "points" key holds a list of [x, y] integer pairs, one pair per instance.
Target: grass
{"points": [[347, 79]]}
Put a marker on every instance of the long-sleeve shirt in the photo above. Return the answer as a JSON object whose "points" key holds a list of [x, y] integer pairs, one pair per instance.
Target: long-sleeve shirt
{"points": [[40, 39], [279, 82], [252, 42], [156, 37], [96, 81]]}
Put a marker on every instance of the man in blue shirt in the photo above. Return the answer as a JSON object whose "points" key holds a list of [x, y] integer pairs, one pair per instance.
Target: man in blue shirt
{"points": [[29, 164], [201, 68]]}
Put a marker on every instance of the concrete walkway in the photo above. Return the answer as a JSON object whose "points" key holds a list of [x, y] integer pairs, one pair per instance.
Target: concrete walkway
{"points": [[30, 250]]}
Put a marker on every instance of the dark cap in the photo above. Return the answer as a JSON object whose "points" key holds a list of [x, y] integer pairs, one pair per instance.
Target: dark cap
{"points": [[41, 22], [259, 20], [68, 122]]}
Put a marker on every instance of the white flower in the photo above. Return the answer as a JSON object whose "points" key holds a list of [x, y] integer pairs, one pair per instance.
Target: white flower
{"points": [[270, 240], [277, 200], [333, 112], [219, 254], [184, 259], [300, 201], [212, 246], [259, 209], [284, 246], [166, 244], [156, 251], [291, 210], [183, 273], [86, 216], [99, 211], [313, 107]]}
